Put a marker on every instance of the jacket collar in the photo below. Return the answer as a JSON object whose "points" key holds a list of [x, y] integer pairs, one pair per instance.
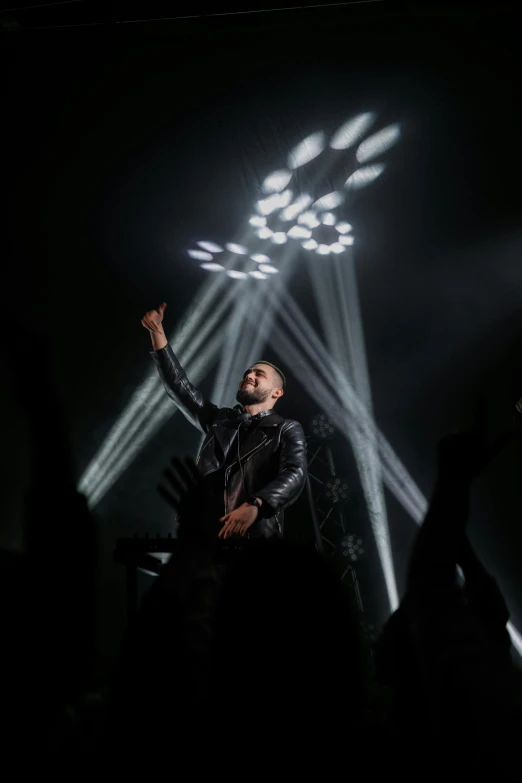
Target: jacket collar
{"points": [[225, 435]]}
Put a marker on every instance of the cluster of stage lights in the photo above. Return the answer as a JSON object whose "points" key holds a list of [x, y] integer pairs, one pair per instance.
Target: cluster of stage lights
{"points": [[336, 490], [322, 427], [352, 547], [300, 217]]}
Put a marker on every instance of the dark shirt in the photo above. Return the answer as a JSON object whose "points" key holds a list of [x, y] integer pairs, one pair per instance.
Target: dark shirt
{"points": [[216, 481]]}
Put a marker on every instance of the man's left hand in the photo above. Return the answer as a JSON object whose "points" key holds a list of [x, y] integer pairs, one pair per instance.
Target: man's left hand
{"points": [[238, 521]]}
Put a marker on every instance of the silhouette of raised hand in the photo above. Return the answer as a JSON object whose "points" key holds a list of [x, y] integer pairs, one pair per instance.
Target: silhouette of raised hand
{"points": [[189, 498]]}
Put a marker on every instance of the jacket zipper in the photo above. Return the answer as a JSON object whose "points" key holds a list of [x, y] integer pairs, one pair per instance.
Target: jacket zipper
{"points": [[249, 454]]}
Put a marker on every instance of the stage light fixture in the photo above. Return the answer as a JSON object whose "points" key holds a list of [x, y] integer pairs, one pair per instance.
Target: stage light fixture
{"points": [[327, 219], [307, 150], [337, 247], [239, 250], [351, 131], [257, 220], [200, 255], [212, 267], [330, 201], [347, 241], [362, 177], [323, 250], [322, 427], [336, 490], [352, 546], [210, 247], [268, 269], [237, 275], [276, 181], [299, 232], [378, 143]]}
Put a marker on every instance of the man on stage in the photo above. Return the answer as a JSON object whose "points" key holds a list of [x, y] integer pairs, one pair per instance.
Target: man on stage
{"points": [[253, 461]]}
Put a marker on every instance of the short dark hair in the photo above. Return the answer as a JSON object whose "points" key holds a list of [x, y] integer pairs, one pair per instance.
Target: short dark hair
{"points": [[277, 370]]}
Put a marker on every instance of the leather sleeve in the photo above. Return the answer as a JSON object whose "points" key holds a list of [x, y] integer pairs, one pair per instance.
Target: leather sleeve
{"points": [[190, 401], [293, 470]]}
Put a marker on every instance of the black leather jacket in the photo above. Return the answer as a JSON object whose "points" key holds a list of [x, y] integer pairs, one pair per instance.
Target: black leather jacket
{"points": [[274, 462]]}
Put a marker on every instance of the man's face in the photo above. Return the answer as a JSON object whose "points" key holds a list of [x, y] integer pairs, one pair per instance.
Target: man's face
{"points": [[256, 385]]}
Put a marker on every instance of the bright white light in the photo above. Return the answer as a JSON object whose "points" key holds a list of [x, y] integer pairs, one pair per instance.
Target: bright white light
{"points": [[240, 250], [310, 244], [364, 176], [212, 267], [323, 250], [378, 143], [264, 233], [269, 270], [344, 240], [330, 201], [276, 181], [343, 228], [307, 150], [279, 238], [276, 201], [353, 130], [292, 211], [328, 219], [211, 247], [308, 219], [237, 275], [200, 255], [258, 275], [336, 247], [257, 220], [299, 232], [259, 258]]}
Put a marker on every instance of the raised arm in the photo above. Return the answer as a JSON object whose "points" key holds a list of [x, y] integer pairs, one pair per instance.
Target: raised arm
{"points": [[199, 411]]}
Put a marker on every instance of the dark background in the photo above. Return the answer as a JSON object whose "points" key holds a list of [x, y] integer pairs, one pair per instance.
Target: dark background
{"points": [[126, 142]]}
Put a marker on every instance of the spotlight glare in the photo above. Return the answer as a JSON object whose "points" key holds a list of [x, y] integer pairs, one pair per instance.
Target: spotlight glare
{"points": [[276, 181], [279, 238], [337, 247], [328, 219], [212, 267], [323, 250], [310, 244], [292, 211], [240, 250], [258, 275], [237, 275], [352, 130], [330, 201], [306, 150], [268, 269], [344, 240], [343, 228], [378, 143], [264, 233], [257, 220], [200, 255], [364, 176], [210, 247], [299, 232], [308, 219], [259, 258]]}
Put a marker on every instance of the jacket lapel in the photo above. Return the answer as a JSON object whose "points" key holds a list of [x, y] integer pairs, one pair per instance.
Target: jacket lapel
{"points": [[249, 440]]}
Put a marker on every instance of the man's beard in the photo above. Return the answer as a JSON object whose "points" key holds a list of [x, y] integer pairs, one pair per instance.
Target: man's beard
{"points": [[251, 396]]}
